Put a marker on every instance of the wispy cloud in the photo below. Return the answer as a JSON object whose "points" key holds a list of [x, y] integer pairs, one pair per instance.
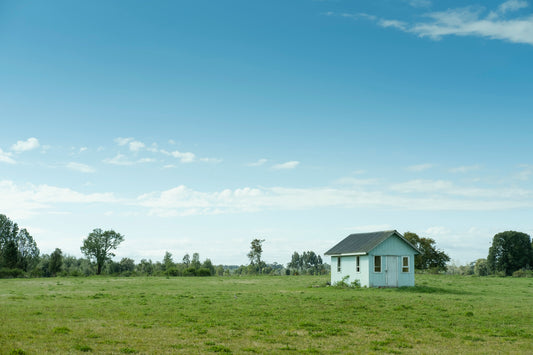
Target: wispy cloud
{"points": [[83, 168], [504, 23], [184, 157], [465, 169], [526, 172], [419, 3], [258, 163], [121, 159], [286, 166], [419, 167], [24, 200], [23, 146], [132, 144], [6, 157]]}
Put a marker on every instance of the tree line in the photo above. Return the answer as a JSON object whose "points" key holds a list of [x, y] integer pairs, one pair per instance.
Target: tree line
{"points": [[20, 256], [511, 254]]}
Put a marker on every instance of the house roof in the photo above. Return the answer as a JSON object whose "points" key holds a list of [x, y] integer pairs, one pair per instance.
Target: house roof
{"points": [[364, 242]]}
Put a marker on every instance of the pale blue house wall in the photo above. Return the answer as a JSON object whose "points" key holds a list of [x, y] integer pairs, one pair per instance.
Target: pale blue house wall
{"points": [[392, 246]]}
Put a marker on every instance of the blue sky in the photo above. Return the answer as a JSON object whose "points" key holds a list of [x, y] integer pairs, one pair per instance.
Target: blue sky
{"points": [[196, 126]]}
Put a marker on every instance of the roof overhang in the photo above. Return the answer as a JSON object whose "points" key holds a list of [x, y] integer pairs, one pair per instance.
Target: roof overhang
{"points": [[346, 254]]}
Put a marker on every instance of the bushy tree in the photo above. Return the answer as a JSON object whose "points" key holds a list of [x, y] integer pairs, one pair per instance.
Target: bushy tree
{"points": [[430, 257], [195, 262], [56, 261], [18, 249], [481, 267], [168, 263], [306, 263], [99, 244], [256, 250], [510, 251]]}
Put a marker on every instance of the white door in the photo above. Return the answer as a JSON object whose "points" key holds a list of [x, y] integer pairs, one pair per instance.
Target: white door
{"points": [[391, 271]]}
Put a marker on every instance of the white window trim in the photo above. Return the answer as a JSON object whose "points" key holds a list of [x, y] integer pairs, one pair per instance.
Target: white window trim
{"points": [[380, 264], [357, 264], [338, 263], [408, 264]]}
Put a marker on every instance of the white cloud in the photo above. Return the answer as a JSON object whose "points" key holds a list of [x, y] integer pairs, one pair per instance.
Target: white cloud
{"points": [[287, 165], [121, 159], [526, 173], [135, 146], [132, 144], [420, 3], [83, 168], [123, 141], [184, 157], [512, 5], [392, 23], [465, 169], [356, 182], [20, 201], [444, 188], [210, 160], [23, 146], [6, 157], [420, 167], [258, 163], [419, 195], [501, 24]]}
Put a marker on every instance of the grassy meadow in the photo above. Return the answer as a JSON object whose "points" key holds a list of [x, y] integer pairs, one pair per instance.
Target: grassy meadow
{"points": [[247, 315]]}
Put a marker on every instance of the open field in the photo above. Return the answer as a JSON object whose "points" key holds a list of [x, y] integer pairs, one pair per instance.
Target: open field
{"points": [[244, 315]]}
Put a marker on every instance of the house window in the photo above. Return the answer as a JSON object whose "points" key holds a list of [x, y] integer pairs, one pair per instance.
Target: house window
{"points": [[377, 263], [405, 264], [338, 264], [357, 267]]}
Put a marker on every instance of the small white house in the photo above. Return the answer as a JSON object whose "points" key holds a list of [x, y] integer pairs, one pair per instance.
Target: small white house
{"points": [[378, 259]]}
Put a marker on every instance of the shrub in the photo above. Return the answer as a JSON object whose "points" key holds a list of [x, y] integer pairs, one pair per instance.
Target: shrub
{"points": [[523, 273], [203, 272], [189, 272], [172, 271], [344, 283], [6, 273]]}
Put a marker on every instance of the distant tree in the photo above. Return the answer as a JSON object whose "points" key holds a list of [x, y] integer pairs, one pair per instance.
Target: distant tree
{"points": [[186, 260], [256, 250], [510, 251], [195, 262], [295, 263], [306, 263], [10, 255], [430, 257], [127, 265], [17, 247], [207, 264], [56, 261], [99, 244], [145, 267], [168, 263], [481, 267]]}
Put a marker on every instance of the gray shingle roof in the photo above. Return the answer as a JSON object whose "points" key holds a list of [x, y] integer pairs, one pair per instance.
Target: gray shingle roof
{"points": [[364, 242]]}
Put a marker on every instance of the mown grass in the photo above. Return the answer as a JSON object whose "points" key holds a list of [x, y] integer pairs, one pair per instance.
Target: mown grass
{"points": [[247, 315]]}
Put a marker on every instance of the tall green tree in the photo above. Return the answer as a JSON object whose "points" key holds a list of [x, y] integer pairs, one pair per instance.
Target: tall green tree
{"points": [[17, 247], [510, 251], [195, 262], [168, 263], [56, 261], [430, 257], [256, 250], [98, 246]]}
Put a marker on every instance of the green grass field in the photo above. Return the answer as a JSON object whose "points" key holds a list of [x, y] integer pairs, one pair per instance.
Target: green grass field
{"points": [[246, 315]]}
